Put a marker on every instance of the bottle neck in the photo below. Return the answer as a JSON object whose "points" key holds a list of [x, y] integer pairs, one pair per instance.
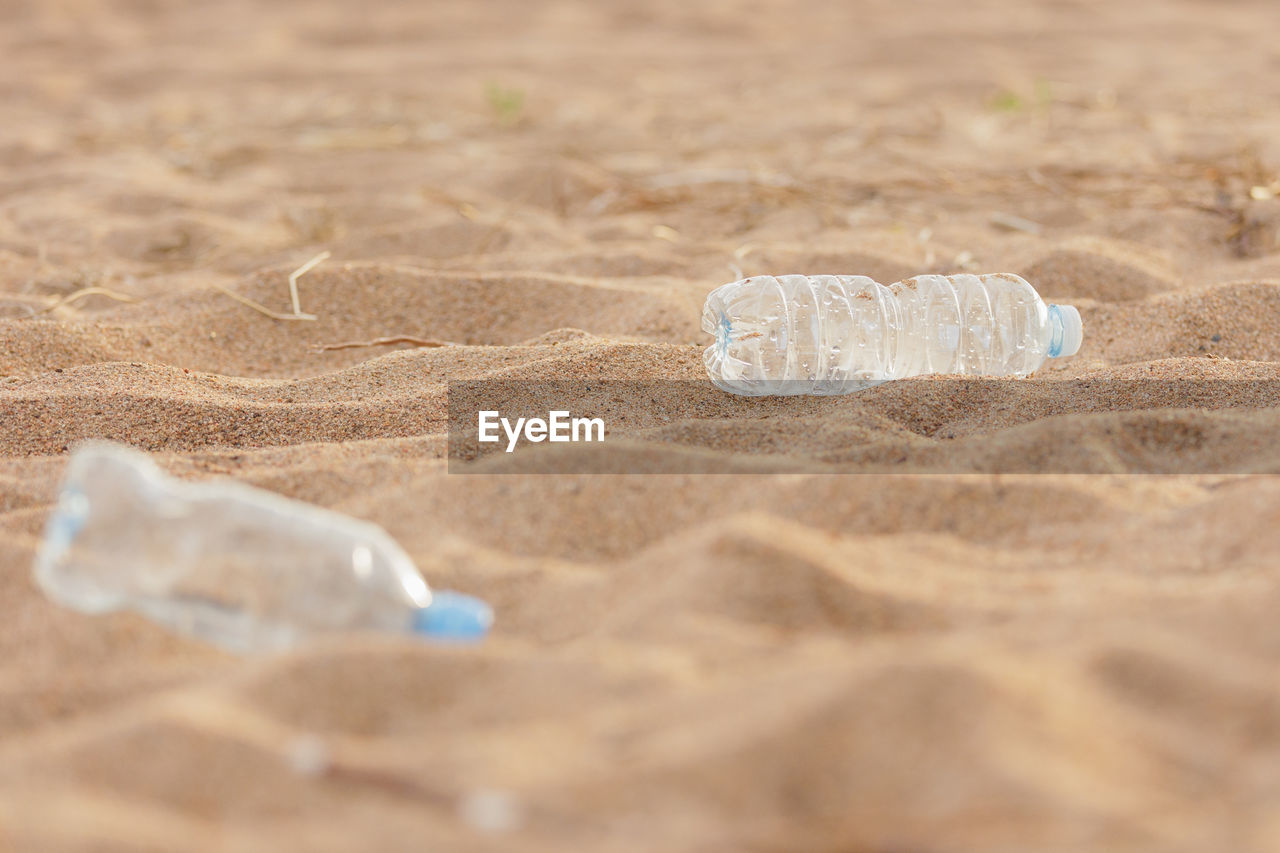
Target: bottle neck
{"points": [[1057, 331], [1065, 331]]}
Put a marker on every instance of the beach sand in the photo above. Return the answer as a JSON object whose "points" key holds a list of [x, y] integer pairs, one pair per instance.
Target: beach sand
{"points": [[955, 661]]}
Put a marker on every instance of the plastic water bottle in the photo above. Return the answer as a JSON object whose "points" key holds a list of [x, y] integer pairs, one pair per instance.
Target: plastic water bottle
{"points": [[242, 568], [828, 334]]}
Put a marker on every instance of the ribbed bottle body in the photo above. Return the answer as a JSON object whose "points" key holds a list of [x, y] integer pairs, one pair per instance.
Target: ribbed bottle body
{"points": [[826, 334]]}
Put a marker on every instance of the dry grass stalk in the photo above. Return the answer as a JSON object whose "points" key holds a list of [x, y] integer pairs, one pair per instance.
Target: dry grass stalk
{"points": [[90, 291], [293, 293], [382, 342]]}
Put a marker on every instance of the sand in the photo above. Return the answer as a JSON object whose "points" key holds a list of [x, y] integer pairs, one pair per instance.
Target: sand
{"points": [[798, 657]]}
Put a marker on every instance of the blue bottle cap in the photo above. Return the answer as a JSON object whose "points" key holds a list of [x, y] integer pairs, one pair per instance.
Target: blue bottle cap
{"points": [[453, 616]]}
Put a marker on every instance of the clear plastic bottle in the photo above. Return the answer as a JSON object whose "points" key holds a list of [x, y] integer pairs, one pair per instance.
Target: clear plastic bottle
{"points": [[827, 334], [242, 568]]}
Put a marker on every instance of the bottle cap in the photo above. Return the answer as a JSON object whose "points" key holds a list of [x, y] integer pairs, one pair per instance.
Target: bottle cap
{"points": [[453, 616], [1072, 331]]}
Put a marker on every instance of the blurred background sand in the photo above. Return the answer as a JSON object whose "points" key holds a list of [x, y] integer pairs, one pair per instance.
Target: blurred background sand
{"points": [[882, 663]]}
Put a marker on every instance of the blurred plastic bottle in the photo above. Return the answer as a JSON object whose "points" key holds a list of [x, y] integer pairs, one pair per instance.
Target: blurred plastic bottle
{"points": [[827, 334], [236, 566]]}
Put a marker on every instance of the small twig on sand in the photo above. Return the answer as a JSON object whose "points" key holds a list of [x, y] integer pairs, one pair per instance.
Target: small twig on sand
{"points": [[90, 291], [296, 274], [382, 342], [293, 294], [260, 308]]}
